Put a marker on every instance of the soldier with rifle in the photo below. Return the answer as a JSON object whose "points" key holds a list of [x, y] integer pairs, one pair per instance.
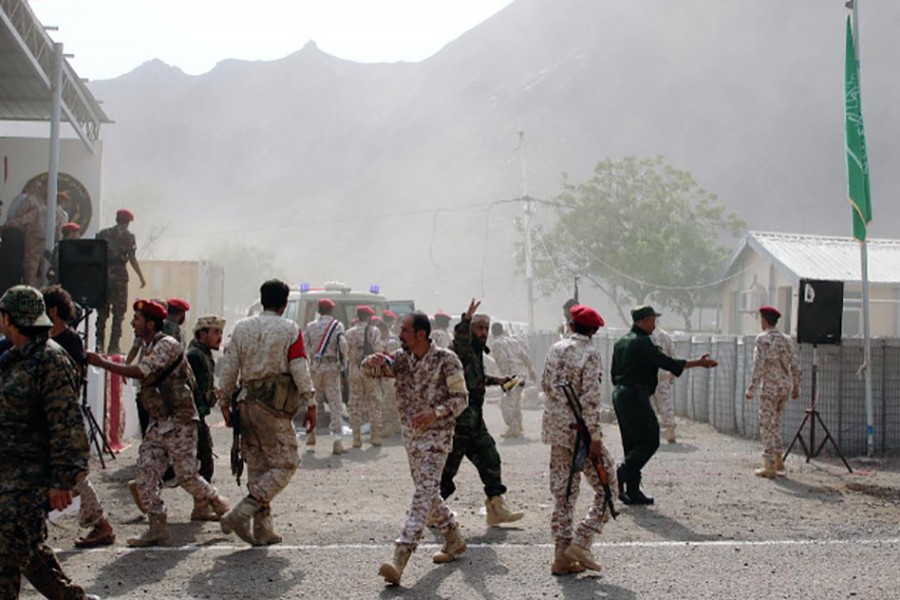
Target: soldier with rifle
{"points": [[571, 426]]}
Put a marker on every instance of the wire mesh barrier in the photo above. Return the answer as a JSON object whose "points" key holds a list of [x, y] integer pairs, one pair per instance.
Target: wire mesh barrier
{"points": [[717, 396]]}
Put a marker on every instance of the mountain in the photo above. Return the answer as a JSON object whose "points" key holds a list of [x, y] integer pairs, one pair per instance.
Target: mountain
{"points": [[381, 173]]}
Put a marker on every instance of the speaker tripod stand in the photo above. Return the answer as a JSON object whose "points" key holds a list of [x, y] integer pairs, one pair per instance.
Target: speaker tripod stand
{"points": [[812, 417], [96, 436]]}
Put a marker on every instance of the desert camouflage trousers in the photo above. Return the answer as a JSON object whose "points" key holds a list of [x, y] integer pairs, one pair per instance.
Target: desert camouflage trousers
{"points": [[365, 399], [426, 462], [771, 410], [91, 511], [24, 551], [327, 383], [177, 446], [563, 509], [390, 413], [511, 408], [269, 446], [31, 259], [662, 403]]}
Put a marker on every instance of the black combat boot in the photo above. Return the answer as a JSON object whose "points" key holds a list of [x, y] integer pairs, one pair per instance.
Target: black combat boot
{"points": [[635, 494], [623, 497]]}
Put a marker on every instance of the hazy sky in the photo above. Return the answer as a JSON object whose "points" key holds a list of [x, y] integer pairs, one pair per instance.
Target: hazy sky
{"points": [[112, 37]]}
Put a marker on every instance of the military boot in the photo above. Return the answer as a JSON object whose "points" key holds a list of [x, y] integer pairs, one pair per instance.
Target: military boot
{"points": [[497, 513], [219, 505], [238, 519], [779, 464], [157, 535], [391, 571], [338, 448], [562, 564], [635, 494], [583, 556], [767, 470], [357, 439], [203, 512], [136, 496], [454, 545], [623, 497], [375, 437], [101, 534], [311, 438], [670, 435], [264, 529]]}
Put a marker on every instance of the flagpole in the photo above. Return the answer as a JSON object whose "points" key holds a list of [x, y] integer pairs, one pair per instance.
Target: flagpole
{"points": [[864, 271]]}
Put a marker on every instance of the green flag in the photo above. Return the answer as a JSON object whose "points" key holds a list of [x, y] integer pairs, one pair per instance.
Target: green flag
{"points": [[857, 160]]}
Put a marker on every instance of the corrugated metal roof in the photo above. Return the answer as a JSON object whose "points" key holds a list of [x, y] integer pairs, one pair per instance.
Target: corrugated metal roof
{"points": [[828, 258]]}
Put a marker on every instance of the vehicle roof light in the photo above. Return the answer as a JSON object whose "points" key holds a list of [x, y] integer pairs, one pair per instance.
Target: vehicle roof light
{"points": [[374, 289], [304, 287]]}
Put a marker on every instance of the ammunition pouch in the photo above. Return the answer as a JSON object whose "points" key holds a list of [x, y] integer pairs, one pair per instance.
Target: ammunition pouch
{"points": [[277, 393], [154, 402]]}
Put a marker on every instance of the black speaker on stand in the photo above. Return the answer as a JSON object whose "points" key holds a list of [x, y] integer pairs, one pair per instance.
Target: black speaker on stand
{"points": [[819, 319]]}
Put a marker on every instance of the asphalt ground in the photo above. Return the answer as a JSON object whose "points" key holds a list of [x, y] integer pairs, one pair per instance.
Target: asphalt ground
{"points": [[716, 531]]}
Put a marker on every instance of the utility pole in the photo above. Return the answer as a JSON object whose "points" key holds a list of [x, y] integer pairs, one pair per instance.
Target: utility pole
{"points": [[529, 210]]}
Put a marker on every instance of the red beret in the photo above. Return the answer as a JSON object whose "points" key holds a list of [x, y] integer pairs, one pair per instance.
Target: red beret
{"points": [[586, 316], [179, 304], [442, 315], [364, 309], [151, 308], [326, 303], [123, 214], [376, 319], [389, 314], [770, 310], [71, 227]]}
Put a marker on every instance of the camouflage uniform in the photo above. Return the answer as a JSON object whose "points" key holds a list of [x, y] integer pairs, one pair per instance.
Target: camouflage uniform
{"points": [[173, 329], [433, 382], [776, 371], [31, 220], [203, 366], [471, 438], [365, 391], [121, 247], [325, 367], [43, 446], [441, 338], [512, 359], [573, 360], [263, 349], [662, 398], [171, 435], [390, 415]]}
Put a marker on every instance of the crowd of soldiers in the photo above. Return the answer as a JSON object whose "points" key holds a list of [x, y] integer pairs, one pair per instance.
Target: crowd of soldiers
{"points": [[271, 374]]}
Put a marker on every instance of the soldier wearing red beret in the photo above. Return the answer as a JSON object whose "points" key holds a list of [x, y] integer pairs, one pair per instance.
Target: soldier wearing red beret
{"points": [[120, 249], [328, 349], [177, 309], [363, 339]]}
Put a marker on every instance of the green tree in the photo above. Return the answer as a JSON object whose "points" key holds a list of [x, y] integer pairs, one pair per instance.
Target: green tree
{"points": [[639, 230]]}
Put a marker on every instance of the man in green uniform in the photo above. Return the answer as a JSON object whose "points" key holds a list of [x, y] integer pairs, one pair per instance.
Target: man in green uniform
{"points": [[207, 337], [471, 438], [43, 449], [635, 365], [120, 250]]}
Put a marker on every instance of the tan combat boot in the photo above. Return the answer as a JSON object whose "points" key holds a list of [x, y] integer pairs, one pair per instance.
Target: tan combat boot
{"points": [[375, 437], [779, 464], [136, 496], [497, 513], [311, 438], [583, 556], [203, 511], [157, 535], [562, 564], [219, 506], [670, 435], [238, 519], [767, 471], [454, 545], [102, 534], [391, 571], [338, 448], [263, 528], [357, 439]]}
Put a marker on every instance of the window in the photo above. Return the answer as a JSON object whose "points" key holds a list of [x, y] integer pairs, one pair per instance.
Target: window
{"points": [[852, 316]]}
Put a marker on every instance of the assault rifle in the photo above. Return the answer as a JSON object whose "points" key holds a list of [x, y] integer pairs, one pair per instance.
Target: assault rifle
{"points": [[582, 451], [237, 459]]}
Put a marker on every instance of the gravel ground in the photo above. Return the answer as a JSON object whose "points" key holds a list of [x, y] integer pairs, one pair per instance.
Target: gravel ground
{"points": [[716, 531]]}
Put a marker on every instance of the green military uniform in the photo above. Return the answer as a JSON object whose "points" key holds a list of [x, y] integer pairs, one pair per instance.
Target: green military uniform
{"points": [[471, 438], [121, 246], [204, 366], [635, 365], [43, 447]]}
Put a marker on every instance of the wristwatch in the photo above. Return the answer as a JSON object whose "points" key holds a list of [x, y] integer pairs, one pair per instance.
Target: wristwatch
{"points": [[441, 411]]}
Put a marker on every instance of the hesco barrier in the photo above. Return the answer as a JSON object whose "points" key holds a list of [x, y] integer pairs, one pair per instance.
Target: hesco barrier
{"points": [[716, 396]]}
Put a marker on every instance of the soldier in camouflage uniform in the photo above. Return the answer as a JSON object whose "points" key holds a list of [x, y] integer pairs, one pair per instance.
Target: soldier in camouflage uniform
{"points": [[439, 333], [171, 437], [325, 339], [575, 361], [70, 231], [512, 359], [32, 221], [267, 354], [431, 393], [207, 337], [120, 249], [390, 416], [364, 339], [662, 397], [43, 449], [471, 438], [177, 309], [776, 372]]}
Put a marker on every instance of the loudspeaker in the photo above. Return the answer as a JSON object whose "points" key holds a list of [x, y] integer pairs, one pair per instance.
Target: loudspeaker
{"points": [[820, 311], [82, 270]]}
